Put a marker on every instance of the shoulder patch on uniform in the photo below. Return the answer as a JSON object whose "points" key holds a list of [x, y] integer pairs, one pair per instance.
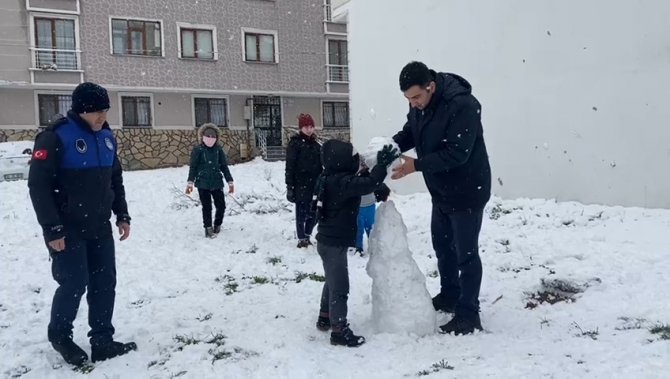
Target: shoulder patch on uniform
{"points": [[109, 144], [40, 155], [81, 146]]}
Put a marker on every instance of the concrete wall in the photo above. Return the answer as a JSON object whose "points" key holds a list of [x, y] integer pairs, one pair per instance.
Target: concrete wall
{"points": [[293, 107], [574, 93], [14, 54]]}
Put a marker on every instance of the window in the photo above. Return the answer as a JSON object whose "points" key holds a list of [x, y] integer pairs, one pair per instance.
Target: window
{"points": [[338, 70], [337, 52], [136, 37], [51, 107], [259, 47], [196, 43], [335, 114], [212, 110], [136, 110], [55, 44]]}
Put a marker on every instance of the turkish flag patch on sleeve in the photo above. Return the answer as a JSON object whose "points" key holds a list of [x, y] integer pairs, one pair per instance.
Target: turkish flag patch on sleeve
{"points": [[40, 155]]}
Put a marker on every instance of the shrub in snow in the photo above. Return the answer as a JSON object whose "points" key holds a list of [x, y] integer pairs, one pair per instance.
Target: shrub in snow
{"points": [[400, 301]]}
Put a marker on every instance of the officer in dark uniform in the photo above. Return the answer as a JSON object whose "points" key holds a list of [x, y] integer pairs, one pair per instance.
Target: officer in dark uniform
{"points": [[75, 183]]}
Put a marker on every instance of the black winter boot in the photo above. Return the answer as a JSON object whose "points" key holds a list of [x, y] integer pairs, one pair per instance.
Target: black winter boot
{"points": [[440, 303], [346, 337], [323, 323], [303, 243], [209, 232], [462, 325], [111, 350], [71, 352], [216, 229]]}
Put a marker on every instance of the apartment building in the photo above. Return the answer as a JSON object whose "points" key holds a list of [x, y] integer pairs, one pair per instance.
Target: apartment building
{"points": [[249, 66]]}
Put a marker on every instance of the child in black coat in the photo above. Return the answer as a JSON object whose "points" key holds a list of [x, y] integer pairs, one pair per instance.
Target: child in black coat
{"points": [[338, 197]]}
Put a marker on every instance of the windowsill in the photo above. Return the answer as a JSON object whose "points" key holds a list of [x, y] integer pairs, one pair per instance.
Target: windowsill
{"points": [[336, 82], [136, 56], [136, 127], [199, 59], [47, 70], [259, 62], [336, 127]]}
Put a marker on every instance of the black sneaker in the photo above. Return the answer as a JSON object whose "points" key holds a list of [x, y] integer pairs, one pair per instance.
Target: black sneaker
{"points": [[440, 303], [359, 252], [303, 243], [209, 232], [346, 337], [111, 350], [323, 323], [216, 229], [71, 352], [461, 325]]}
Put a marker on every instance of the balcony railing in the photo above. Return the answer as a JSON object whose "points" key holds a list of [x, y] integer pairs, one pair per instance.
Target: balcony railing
{"points": [[327, 11], [338, 73], [56, 59]]}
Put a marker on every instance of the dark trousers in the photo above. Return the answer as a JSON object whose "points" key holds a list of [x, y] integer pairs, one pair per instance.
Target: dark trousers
{"points": [[336, 288], [305, 219], [456, 243], [84, 266], [219, 203]]}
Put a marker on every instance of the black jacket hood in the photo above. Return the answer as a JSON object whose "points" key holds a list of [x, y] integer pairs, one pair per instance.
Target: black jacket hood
{"points": [[449, 86], [339, 156]]}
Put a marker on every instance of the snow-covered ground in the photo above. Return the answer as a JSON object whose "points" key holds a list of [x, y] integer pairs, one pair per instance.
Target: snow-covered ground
{"points": [[244, 304]]}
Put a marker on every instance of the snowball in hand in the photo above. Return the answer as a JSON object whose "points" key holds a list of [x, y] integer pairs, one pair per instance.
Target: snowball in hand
{"points": [[400, 300], [369, 156]]}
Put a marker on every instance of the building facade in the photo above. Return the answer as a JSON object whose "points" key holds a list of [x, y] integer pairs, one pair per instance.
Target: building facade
{"points": [[249, 66]]}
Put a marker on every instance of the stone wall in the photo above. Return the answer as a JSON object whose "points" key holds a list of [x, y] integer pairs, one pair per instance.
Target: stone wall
{"points": [[18, 134], [141, 149], [152, 148]]}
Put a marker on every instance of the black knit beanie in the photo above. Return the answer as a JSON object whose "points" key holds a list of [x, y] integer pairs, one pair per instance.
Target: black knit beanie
{"points": [[89, 97]]}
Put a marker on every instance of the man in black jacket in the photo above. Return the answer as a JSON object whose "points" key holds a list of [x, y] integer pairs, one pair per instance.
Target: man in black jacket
{"points": [[75, 183], [444, 126]]}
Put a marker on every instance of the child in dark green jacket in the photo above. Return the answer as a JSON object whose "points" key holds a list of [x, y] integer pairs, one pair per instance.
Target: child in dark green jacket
{"points": [[208, 168]]}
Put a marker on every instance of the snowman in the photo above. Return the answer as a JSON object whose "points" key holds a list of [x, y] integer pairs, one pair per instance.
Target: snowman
{"points": [[401, 302]]}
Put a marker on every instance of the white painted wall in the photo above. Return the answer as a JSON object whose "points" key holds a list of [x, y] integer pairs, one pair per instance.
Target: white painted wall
{"points": [[575, 93]]}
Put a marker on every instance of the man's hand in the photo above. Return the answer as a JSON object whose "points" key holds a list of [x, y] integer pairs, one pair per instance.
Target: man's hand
{"points": [[405, 169], [57, 245], [189, 188], [124, 230], [231, 188]]}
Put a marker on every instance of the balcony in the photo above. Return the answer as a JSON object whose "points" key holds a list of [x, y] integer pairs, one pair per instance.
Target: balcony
{"points": [[338, 73], [55, 59], [59, 66]]}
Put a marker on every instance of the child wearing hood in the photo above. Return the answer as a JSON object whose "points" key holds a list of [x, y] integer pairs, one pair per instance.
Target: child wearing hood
{"points": [[338, 196], [208, 168]]}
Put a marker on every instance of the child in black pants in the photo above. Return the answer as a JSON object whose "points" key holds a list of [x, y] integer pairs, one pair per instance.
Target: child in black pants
{"points": [[208, 168], [338, 197]]}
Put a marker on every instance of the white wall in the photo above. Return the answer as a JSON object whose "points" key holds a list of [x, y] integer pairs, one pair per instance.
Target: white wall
{"points": [[575, 94]]}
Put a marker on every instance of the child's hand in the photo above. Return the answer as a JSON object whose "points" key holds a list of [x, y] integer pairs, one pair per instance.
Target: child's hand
{"points": [[189, 188], [231, 188], [387, 155]]}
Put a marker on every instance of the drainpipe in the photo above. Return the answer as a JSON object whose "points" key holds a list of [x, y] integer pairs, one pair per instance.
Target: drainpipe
{"points": [[250, 147]]}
